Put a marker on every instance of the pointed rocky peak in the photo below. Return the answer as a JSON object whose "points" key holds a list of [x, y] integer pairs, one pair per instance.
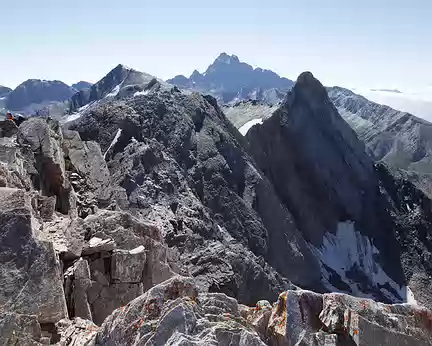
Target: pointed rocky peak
{"points": [[309, 88], [230, 80], [195, 74], [120, 82], [227, 59]]}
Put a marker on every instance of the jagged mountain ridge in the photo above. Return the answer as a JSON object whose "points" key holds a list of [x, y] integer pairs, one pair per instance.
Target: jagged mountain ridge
{"points": [[229, 80], [400, 139], [122, 81]]}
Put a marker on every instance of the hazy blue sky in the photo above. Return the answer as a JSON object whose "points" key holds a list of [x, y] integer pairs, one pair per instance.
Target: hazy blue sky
{"points": [[368, 43]]}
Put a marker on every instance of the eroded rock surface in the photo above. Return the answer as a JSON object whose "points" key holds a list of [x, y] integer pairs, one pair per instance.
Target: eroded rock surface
{"points": [[173, 313], [30, 274]]}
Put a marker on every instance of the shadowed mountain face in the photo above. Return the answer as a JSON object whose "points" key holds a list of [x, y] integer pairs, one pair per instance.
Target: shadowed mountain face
{"points": [[338, 197], [37, 92], [230, 80]]}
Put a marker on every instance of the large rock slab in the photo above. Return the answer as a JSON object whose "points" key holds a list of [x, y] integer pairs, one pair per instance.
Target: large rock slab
{"points": [[129, 233], [87, 160], [30, 275], [67, 235], [295, 318]]}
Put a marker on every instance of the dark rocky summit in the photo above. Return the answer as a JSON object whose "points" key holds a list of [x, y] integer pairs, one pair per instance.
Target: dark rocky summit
{"points": [[148, 219], [230, 80], [120, 81]]}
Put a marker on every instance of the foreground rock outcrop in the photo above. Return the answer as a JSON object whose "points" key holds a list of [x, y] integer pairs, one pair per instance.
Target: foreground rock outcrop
{"points": [[174, 313]]}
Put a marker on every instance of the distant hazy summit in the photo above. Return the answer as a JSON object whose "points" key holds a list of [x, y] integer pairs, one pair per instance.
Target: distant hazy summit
{"points": [[82, 85], [230, 81]]}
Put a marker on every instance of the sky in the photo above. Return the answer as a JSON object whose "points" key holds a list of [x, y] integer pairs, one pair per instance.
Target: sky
{"points": [[357, 44]]}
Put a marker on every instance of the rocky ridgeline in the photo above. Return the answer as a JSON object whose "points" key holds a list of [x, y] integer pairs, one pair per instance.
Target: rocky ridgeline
{"points": [[147, 222]]}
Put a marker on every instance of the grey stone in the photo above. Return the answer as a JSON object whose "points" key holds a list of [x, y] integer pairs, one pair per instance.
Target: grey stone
{"points": [[128, 265], [30, 278], [295, 318], [172, 313], [8, 128], [18, 329], [199, 161], [81, 283], [66, 234], [46, 207], [96, 245], [128, 233], [78, 332], [87, 159]]}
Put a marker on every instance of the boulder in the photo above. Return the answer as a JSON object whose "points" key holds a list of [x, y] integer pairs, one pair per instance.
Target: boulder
{"points": [[44, 139], [30, 274], [129, 233], [295, 318], [96, 245], [77, 283], [8, 128], [87, 160], [258, 316], [128, 265], [78, 332], [66, 234], [18, 329], [15, 164]]}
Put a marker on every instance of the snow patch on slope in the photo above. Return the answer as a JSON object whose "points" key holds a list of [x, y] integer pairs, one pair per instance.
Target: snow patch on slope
{"points": [[117, 136], [78, 114], [347, 250], [246, 127], [141, 93], [114, 92]]}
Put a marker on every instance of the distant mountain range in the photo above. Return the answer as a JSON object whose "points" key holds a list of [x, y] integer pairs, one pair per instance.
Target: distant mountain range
{"points": [[35, 95], [229, 80], [249, 96]]}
